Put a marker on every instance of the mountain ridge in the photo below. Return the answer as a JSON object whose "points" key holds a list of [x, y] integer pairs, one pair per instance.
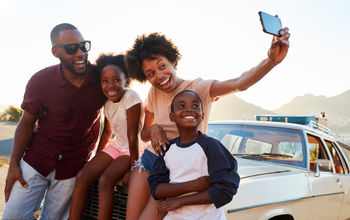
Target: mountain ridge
{"points": [[335, 107]]}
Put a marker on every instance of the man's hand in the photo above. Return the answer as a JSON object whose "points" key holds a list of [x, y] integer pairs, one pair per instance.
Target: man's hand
{"points": [[279, 47], [158, 138], [14, 174]]}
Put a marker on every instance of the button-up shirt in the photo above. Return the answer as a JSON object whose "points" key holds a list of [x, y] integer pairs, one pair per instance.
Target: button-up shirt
{"points": [[68, 121]]}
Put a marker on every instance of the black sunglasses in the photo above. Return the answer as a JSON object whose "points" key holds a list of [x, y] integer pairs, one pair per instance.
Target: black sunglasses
{"points": [[71, 49]]}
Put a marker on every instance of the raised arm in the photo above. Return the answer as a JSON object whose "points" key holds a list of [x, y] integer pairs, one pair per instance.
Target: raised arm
{"points": [[277, 52], [23, 135]]}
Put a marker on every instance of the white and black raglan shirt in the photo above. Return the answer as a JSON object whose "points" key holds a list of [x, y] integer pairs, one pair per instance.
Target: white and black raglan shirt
{"points": [[205, 156]]}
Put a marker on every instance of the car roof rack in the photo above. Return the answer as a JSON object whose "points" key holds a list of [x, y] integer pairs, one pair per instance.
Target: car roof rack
{"points": [[308, 120], [303, 120], [321, 127]]}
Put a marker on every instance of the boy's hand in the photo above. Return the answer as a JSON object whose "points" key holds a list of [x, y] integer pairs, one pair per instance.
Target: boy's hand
{"points": [[169, 204], [202, 183], [158, 138]]}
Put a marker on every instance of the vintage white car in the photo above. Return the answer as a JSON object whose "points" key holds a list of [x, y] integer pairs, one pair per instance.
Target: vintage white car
{"points": [[288, 171]]}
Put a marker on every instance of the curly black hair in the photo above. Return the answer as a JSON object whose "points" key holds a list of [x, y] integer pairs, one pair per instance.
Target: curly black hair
{"points": [[145, 47], [110, 59]]}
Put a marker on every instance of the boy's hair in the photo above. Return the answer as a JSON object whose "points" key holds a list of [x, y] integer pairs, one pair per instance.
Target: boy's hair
{"points": [[58, 28], [145, 47], [109, 59], [182, 92]]}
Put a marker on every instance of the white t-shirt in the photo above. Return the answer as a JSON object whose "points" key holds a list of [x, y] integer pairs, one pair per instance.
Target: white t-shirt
{"points": [[115, 112], [182, 162]]}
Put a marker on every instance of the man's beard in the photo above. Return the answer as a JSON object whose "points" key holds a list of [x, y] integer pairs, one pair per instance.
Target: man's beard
{"points": [[71, 69]]}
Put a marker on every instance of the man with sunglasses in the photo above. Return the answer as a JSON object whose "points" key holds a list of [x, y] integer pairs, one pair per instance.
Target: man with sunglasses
{"points": [[57, 132]]}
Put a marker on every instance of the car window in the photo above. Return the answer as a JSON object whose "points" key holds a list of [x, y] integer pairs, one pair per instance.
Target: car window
{"points": [[232, 142], [256, 147], [316, 150], [346, 153], [346, 150], [280, 145], [291, 148], [339, 164]]}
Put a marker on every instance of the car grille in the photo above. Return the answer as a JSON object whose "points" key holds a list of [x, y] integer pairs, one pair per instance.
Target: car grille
{"points": [[91, 207]]}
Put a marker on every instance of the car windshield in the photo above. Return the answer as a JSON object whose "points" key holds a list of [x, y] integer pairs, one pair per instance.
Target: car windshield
{"points": [[280, 145]]}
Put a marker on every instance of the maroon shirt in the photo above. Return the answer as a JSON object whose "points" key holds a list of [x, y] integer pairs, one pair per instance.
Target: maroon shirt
{"points": [[68, 121]]}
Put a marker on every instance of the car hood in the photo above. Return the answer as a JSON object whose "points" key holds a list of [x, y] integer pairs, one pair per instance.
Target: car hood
{"points": [[264, 183], [250, 168]]}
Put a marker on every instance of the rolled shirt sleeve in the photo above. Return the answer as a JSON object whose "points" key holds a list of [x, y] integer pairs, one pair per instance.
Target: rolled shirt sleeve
{"points": [[31, 100]]}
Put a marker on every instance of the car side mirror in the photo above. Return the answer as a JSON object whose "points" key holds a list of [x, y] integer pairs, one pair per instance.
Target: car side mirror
{"points": [[322, 165]]}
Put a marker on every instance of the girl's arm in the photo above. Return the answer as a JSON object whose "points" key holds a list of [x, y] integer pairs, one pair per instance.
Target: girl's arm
{"points": [[154, 133], [105, 136], [277, 52], [133, 118], [148, 122]]}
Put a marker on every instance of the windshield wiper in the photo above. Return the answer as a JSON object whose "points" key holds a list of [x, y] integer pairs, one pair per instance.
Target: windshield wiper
{"points": [[277, 155]]}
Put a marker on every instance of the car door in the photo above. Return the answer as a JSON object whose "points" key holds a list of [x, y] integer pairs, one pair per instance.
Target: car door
{"points": [[342, 175], [326, 188]]}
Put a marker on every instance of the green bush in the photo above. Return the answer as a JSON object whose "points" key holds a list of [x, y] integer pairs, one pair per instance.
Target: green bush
{"points": [[12, 114]]}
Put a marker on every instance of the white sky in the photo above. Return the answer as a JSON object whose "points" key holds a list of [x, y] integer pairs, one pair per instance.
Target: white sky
{"points": [[218, 40]]}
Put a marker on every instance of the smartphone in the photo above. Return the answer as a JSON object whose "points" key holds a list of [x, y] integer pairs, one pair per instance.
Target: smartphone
{"points": [[271, 24]]}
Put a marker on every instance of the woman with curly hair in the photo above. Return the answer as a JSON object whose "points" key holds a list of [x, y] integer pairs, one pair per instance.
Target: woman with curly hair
{"points": [[154, 58]]}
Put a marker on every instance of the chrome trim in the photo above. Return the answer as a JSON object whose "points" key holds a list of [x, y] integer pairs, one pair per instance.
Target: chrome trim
{"points": [[283, 201], [267, 173]]}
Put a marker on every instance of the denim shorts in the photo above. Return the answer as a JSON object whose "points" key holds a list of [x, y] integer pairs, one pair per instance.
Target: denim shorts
{"points": [[146, 161]]}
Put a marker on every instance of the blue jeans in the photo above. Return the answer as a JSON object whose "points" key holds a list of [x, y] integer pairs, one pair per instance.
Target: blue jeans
{"points": [[23, 202], [146, 161]]}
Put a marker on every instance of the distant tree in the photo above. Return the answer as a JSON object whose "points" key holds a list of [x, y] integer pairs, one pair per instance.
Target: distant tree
{"points": [[11, 114]]}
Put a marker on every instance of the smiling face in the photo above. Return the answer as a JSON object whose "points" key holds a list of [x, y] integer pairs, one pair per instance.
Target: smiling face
{"points": [[72, 63], [186, 110], [113, 82], [160, 72]]}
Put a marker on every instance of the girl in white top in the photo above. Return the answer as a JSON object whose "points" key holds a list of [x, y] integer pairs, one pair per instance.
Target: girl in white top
{"points": [[116, 156]]}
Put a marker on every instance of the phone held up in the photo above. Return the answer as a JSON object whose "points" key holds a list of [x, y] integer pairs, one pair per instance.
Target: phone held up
{"points": [[271, 24]]}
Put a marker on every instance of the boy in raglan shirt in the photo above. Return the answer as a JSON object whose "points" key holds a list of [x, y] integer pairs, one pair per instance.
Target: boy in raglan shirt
{"points": [[187, 159]]}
